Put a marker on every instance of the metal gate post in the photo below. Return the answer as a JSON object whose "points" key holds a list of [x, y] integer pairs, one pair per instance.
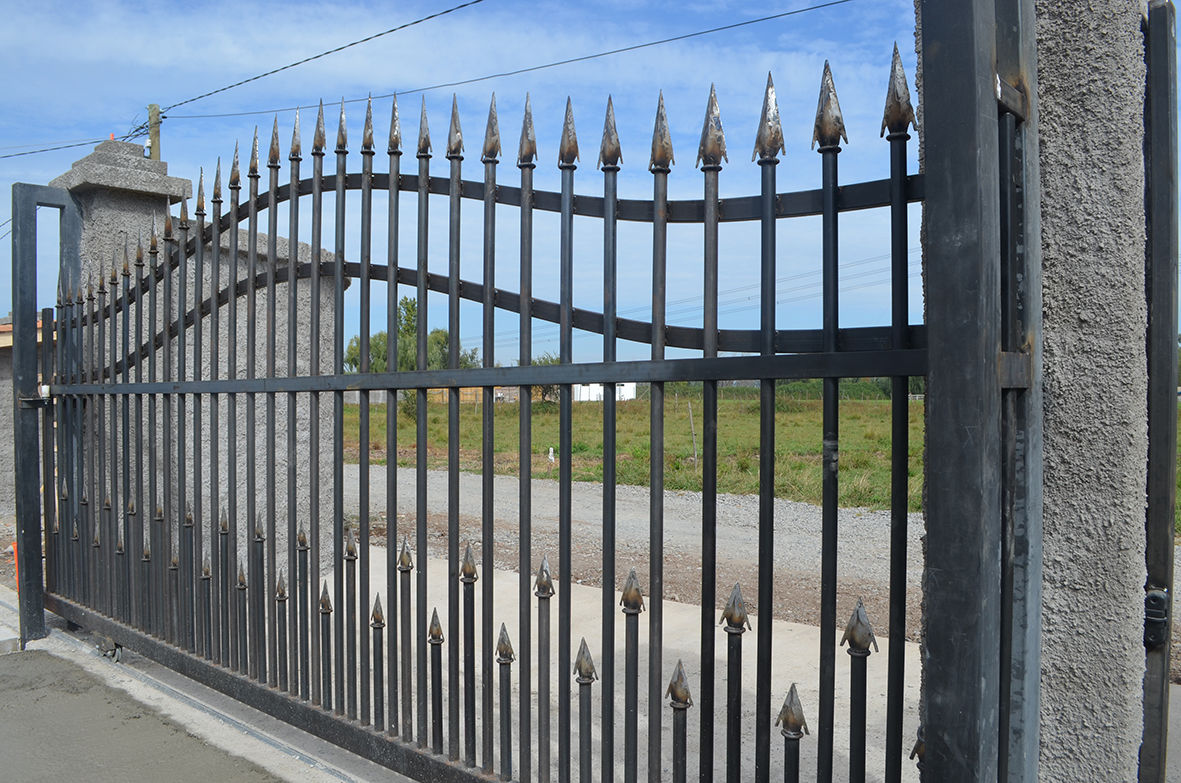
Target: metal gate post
{"points": [[25, 382]]}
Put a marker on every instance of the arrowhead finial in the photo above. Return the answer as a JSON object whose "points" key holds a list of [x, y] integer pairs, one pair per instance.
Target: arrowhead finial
{"points": [[224, 525], [296, 142], [791, 716], [858, 632], [325, 601], [424, 133], [662, 143], [544, 586], [367, 133], [527, 152], [377, 619], [454, 133], [712, 149], [467, 567], [184, 212], [678, 688], [350, 546], [301, 540], [235, 174], [273, 155], [167, 226], [252, 170], [242, 579], [584, 665], [610, 153], [830, 125], [504, 648], [319, 138], [395, 143], [491, 135], [405, 561], [152, 241], [217, 182], [281, 588], [139, 253], [342, 131], [632, 599], [769, 139], [201, 190], [568, 149], [899, 113], [734, 615], [435, 631]]}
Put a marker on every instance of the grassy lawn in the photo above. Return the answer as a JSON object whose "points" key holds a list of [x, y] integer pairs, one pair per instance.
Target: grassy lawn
{"points": [[864, 431]]}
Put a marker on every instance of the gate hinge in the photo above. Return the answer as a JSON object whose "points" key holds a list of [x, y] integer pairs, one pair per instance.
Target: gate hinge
{"points": [[1156, 618], [1015, 370], [42, 399], [1012, 98]]}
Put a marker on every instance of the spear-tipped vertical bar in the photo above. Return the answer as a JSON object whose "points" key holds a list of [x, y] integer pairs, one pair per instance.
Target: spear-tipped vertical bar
{"points": [[526, 154], [350, 632], [367, 153], [584, 671], [897, 118], [405, 566], [206, 595], [233, 273], [377, 623], [326, 648], [95, 367], [394, 149], [161, 596], [504, 657], [173, 608], [272, 511], [710, 153], [768, 145], [137, 535], [297, 665], [567, 157], [420, 455], [281, 636], [145, 596], [659, 164], [736, 622], [544, 590], [455, 157], [489, 156], [828, 130], [187, 562], [338, 284], [793, 727], [111, 503], [48, 466], [257, 577], [221, 574], [225, 569], [680, 700], [632, 602], [435, 639], [610, 158], [468, 577], [314, 367], [258, 613], [199, 442], [304, 632], [859, 635], [126, 503], [188, 575]]}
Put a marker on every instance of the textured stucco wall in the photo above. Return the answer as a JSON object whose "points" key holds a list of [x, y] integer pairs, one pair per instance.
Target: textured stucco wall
{"points": [[1090, 93]]}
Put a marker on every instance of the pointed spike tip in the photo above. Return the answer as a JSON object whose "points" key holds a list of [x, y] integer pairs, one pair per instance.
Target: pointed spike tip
{"points": [[544, 586], [568, 148], [395, 141], [662, 143], [273, 152], [711, 151], [467, 567], [504, 648], [435, 631], [527, 152], [325, 601], [296, 142], [791, 716], [350, 546], [377, 618], [424, 133], [235, 173], [678, 688], [491, 149], [858, 632], [319, 138], [830, 124], [610, 152], [342, 131], [734, 615], [405, 560], [217, 181], [632, 599], [899, 113], [201, 190], [367, 133], [242, 578], [253, 168], [769, 139], [281, 589], [454, 132], [584, 665], [301, 540]]}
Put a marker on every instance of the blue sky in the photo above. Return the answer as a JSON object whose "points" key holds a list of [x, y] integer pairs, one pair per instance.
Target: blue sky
{"points": [[80, 71]]}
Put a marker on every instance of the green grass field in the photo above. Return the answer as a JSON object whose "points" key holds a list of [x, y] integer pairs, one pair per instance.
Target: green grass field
{"points": [[864, 431]]}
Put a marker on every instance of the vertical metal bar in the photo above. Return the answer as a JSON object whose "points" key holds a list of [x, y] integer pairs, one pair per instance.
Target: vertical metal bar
{"points": [[859, 635], [424, 171], [711, 152], [225, 568], [504, 656], [281, 634], [544, 590], [367, 153], [127, 504], [242, 646], [567, 155], [405, 566], [272, 511], [207, 611], [297, 663], [584, 669], [93, 363], [680, 701], [149, 590], [735, 618], [377, 623], [187, 572], [326, 649], [48, 466], [155, 507], [487, 510], [393, 364], [233, 275], [173, 602], [525, 157], [303, 633], [257, 578], [610, 156], [435, 638], [632, 602], [142, 510], [468, 576], [659, 165], [199, 443], [183, 513], [792, 727], [258, 613], [350, 633], [338, 410], [455, 156], [222, 575], [314, 367], [111, 502]]}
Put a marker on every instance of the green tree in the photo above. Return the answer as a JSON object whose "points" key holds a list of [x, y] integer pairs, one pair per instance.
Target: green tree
{"points": [[548, 391], [437, 341]]}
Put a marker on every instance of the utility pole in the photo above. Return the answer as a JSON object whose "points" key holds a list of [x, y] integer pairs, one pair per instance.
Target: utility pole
{"points": [[154, 131]]}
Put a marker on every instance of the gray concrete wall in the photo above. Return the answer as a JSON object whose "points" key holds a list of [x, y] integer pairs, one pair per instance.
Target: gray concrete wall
{"points": [[1090, 93]]}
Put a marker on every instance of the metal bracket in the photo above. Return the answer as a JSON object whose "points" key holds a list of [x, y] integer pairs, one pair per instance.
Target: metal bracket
{"points": [[1012, 99], [1015, 369], [1156, 618]]}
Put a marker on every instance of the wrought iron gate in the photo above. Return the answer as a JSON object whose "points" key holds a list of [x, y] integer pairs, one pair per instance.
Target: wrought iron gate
{"points": [[144, 399]]}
